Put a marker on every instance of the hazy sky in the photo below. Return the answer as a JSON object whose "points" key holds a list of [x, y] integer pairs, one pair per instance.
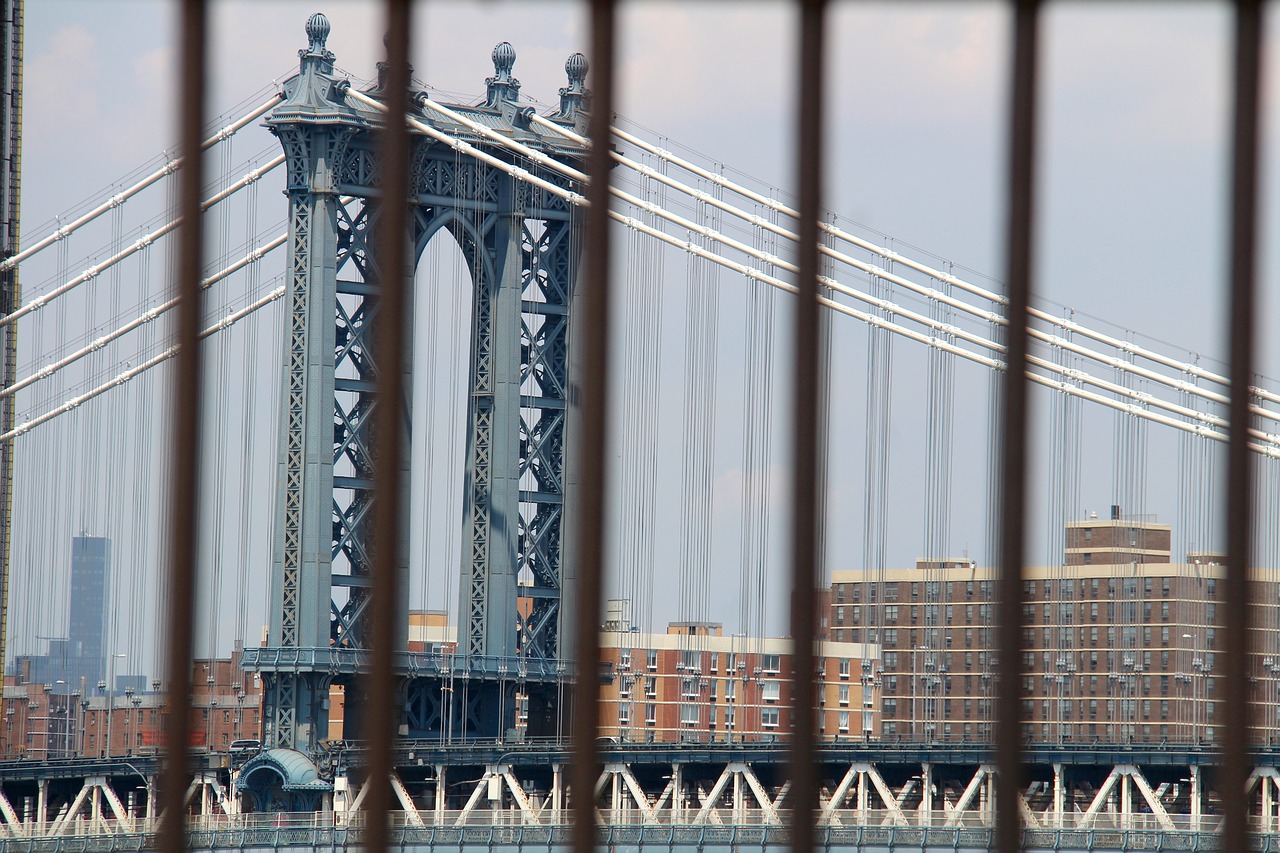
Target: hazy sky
{"points": [[1132, 180]]}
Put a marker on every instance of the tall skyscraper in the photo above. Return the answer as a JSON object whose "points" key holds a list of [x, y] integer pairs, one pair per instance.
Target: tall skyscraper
{"points": [[90, 599]]}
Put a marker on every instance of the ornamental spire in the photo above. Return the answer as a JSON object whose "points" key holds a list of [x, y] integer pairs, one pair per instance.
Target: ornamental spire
{"points": [[502, 86]]}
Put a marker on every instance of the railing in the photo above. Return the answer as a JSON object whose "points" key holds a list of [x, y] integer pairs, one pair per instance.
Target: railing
{"points": [[672, 838]]}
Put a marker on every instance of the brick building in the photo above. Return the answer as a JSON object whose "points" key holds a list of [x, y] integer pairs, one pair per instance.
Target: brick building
{"points": [[42, 721], [1121, 645], [693, 683]]}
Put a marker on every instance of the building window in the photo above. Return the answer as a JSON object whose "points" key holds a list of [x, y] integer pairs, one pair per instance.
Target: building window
{"points": [[624, 713], [652, 659], [691, 661], [844, 722], [844, 667], [730, 689], [770, 691], [624, 658], [689, 688], [770, 664], [689, 714], [651, 713], [769, 718], [650, 686], [624, 686], [844, 694], [729, 714]]}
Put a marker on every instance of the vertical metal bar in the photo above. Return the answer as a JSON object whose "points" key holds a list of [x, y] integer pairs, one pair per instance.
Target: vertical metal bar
{"points": [[1013, 474], [1244, 216], [808, 435], [392, 227], [185, 442], [592, 334]]}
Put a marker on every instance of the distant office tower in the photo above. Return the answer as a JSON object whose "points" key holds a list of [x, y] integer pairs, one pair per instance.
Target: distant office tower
{"points": [[90, 598]]}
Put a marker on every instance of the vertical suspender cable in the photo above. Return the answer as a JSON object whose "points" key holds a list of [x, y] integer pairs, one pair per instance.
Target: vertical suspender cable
{"points": [[1244, 200], [392, 249], [185, 441], [1013, 473], [591, 336], [807, 428]]}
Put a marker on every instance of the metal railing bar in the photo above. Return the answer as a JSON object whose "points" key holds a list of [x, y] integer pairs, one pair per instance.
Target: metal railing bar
{"points": [[1236, 625], [808, 432], [592, 354], [390, 343], [1013, 407], [184, 448]]}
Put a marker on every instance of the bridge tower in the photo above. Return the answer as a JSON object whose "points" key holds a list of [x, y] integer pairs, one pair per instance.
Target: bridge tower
{"points": [[522, 248]]}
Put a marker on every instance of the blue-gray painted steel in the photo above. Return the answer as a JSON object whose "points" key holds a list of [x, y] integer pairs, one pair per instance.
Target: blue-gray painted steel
{"points": [[521, 248]]}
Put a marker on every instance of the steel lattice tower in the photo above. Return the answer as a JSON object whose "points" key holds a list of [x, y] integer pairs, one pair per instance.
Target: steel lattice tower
{"points": [[522, 250]]}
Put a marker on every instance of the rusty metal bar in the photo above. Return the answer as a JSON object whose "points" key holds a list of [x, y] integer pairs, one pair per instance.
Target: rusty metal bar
{"points": [[184, 448], [1013, 469], [591, 330], [808, 434], [389, 414], [1239, 613]]}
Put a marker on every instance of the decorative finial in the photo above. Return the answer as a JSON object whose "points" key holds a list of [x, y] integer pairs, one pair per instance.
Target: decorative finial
{"points": [[575, 97], [576, 67], [317, 32], [502, 86], [504, 59]]}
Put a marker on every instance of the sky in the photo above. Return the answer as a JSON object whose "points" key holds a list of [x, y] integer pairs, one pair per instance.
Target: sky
{"points": [[1131, 226]]}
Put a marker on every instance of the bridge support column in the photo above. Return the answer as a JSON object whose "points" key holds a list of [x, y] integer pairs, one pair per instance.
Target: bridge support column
{"points": [[1059, 796], [1126, 801], [42, 805], [677, 792], [1195, 797], [1266, 781], [926, 794], [441, 791], [557, 793]]}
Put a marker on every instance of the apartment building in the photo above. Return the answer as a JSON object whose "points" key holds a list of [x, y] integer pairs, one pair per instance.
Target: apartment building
{"points": [[1121, 645], [696, 684]]}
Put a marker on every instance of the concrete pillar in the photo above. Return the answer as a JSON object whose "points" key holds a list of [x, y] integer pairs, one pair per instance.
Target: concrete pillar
{"points": [[1126, 800], [864, 798], [557, 793], [926, 794], [738, 806], [441, 789], [204, 797], [1265, 784], [95, 799], [615, 795], [42, 804], [1059, 796], [677, 792], [1195, 797], [151, 799]]}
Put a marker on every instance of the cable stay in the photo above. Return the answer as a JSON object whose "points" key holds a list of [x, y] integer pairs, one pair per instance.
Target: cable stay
{"points": [[120, 198]]}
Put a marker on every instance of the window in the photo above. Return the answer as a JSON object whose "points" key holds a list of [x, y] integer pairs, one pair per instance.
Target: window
{"points": [[691, 660], [624, 658], [729, 714], [770, 664], [891, 614], [689, 688], [650, 713], [844, 694], [769, 718], [844, 722], [1088, 534], [624, 686], [651, 659], [690, 713], [770, 691], [839, 615], [730, 689], [624, 713], [650, 686], [844, 667]]}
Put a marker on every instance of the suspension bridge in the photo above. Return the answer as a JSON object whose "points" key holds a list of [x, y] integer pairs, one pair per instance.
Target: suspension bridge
{"points": [[694, 716]]}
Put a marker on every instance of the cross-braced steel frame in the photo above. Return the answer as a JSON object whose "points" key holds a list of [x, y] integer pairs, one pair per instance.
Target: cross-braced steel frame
{"points": [[521, 249]]}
